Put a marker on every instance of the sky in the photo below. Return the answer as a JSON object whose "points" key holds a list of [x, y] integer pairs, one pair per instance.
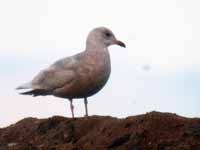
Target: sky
{"points": [[158, 71]]}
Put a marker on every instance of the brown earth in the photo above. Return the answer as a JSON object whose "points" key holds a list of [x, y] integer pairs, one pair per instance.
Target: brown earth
{"points": [[151, 131]]}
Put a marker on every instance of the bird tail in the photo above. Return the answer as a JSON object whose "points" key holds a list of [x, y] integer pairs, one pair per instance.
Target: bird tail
{"points": [[36, 92], [24, 86]]}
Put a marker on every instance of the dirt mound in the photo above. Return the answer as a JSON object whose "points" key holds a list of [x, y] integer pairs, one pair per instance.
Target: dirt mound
{"points": [[151, 131]]}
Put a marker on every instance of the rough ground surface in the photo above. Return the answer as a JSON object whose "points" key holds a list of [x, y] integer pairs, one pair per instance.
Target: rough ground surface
{"points": [[151, 131]]}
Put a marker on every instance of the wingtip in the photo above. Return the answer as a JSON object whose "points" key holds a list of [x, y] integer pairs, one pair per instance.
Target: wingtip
{"points": [[18, 88], [24, 86]]}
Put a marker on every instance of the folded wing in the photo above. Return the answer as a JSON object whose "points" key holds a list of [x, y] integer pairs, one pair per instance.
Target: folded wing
{"points": [[56, 76]]}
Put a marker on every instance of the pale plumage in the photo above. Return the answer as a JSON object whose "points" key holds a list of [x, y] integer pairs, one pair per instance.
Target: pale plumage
{"points": [[78, 76]]}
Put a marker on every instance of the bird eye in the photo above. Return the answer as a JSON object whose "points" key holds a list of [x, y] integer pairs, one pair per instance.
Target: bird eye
{"points": [[108, 34]]}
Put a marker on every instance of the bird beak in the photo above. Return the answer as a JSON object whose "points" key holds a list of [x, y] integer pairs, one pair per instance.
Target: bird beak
{"points": [[120, 43]]}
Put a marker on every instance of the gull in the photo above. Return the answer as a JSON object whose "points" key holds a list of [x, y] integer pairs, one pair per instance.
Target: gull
{"points": [[78, 76]]}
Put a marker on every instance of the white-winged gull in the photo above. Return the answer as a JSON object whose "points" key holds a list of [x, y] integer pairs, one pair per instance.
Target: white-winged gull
{"points": [[78, 76]]}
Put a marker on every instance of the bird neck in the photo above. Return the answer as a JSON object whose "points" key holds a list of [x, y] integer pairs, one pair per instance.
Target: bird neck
{"points": [[92, 46]]}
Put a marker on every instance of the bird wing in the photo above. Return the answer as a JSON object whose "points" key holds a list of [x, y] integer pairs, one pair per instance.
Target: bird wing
{"points": [[57, 75], [51, 78]]}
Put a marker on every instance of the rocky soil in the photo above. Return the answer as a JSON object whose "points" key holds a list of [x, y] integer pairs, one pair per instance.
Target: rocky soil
{"points": [[151, 131]]}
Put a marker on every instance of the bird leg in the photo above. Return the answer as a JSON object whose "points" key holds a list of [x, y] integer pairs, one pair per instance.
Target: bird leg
{"points": [[86, 109], [71, 107]]}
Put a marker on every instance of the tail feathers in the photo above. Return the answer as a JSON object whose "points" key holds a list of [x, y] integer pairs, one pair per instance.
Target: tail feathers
{"points": [[37, 92], [24, 86]]}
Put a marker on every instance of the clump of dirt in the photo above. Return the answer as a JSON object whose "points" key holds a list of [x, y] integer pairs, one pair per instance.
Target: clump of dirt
{"points": [[151, 131]]}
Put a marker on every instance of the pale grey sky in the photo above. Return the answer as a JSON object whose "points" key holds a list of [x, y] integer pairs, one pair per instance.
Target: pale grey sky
{"points": [[162, 35]]}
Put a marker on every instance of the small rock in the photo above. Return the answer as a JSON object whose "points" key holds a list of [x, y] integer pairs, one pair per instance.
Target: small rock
{"points": [[192, 130], [11, 144], [119, 141]]}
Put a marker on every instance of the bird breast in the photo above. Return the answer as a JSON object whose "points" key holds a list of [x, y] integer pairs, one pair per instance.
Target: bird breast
{"points": [[94, 72]]}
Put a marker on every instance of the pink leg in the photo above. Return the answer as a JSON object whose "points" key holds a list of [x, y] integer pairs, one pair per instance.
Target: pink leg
{"points": [[86, 109], [71, 107]]}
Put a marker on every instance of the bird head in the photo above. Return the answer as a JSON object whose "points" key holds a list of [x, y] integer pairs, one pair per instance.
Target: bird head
{"points": [[103, 37]]}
